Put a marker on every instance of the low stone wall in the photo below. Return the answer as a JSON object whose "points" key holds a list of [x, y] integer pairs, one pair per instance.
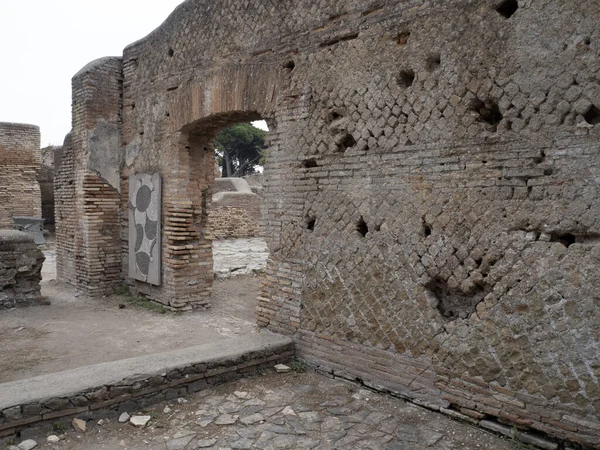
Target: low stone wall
{"points": [[135, 383], [235, 210], [20, 270]]}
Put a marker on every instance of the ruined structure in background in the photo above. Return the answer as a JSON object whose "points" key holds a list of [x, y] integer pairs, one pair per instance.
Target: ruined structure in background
{"points": [[20, 270], [431, 198], [50, 157], [234, 211], [19, 170]]}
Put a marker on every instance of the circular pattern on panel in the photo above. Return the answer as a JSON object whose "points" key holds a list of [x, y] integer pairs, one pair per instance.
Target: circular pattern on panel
{"points": [[144, 202]]}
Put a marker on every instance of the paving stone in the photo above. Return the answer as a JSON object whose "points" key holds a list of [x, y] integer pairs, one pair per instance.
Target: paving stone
{"points": [[226, 419], [252, 419], [205, 443], [180, 440]]}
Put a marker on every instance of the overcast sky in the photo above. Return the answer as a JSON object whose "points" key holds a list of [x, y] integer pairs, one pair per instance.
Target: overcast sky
{"points": [[45, 42]]}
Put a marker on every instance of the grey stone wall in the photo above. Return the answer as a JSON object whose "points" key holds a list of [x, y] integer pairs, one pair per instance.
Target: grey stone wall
{"points": [[431, 190], [20, 270]]}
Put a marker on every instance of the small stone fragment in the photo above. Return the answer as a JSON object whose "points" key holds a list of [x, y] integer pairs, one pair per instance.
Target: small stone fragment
{"points": [[167, 410], [288, 411], [139, 421], [101, 422], [53, 439], [79, 425], [205, 421], [282, 368], [240, 394], [206, 443], [181, 401], [124, 418], [27, 445]]}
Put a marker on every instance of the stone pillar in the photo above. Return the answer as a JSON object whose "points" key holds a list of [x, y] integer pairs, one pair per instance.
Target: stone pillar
{"points": [[88, 182]]}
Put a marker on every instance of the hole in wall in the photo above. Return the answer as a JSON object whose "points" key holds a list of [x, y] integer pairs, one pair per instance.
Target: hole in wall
{"points": [[507, 8], [592, 116], [132, 106], [346, 142], [167, 114], [290, 65], [309, 163], [361, 227], [488, 112], [333, 116], [402, 38], [548, 171], [171, 52], [309, 223], [453, 302], [587, 41], [426, 229], [406, 78], [540, 159], [565, 239], [433, 62]]}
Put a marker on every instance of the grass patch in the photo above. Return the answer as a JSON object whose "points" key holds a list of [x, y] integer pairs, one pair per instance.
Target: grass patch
{"points": [[138, 301], [297, 365]]}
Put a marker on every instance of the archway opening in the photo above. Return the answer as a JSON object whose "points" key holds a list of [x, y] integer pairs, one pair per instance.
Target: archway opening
{"points": [[236, 148]]}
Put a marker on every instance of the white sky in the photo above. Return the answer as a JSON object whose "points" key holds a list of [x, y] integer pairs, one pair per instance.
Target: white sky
{"points": [[45, 42]]}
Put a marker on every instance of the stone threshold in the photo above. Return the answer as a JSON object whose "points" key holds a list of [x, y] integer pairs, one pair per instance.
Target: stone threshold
{"points": [[139, 382]]}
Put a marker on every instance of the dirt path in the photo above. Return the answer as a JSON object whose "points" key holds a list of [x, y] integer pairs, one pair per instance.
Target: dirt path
{"points": [[77, 331]]}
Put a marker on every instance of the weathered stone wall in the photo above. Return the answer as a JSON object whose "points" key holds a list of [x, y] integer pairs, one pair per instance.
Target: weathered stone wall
{"points": [[19, 170], [234, 211], [431, 191], [20, 270]]}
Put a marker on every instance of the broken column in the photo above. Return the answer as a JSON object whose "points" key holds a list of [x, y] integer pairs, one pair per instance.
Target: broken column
{"points": [[20, 270]]}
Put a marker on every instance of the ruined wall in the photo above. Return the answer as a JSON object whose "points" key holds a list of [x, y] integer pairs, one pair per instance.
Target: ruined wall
{"points": [[87, 184], [234, 211], [431, 192], [20, 270], [19, 170], [50, 157]]}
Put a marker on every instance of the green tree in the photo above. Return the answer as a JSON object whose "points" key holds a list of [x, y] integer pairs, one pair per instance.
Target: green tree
{"points": [[239, 149]]}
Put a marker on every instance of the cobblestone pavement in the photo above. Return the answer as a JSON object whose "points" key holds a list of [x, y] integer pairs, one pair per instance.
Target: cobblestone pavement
{"points": [[280, 411], [239, 256]]}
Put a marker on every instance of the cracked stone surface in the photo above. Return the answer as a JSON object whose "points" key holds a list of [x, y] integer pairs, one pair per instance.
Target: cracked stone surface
{"points": [[283, 411]]}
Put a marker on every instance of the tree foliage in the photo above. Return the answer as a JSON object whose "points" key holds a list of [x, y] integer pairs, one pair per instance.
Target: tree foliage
{"points": [[239, 149]]}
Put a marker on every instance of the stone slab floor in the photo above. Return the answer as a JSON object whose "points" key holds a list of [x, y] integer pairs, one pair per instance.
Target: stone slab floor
{"points": [[78, 331], [277, 411]]}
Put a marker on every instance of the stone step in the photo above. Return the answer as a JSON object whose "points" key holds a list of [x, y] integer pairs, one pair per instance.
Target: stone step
{"points": [[139, 381]]}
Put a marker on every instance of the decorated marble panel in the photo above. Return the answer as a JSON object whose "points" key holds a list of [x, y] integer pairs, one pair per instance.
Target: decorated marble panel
{"points": [[144, 227]]}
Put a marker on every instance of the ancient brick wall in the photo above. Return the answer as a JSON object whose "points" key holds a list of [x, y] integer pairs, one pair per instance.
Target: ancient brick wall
{"points": [[19, 170], [431, 191], [234, 211]]}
